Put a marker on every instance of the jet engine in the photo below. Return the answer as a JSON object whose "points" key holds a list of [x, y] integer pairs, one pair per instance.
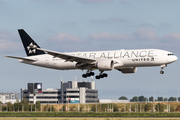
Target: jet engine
{"points": [[105, 65], [128, 70]]}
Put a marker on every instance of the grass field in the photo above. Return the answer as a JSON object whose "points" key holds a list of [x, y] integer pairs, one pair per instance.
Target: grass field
{"points": [[91, 114], [81, 118]]}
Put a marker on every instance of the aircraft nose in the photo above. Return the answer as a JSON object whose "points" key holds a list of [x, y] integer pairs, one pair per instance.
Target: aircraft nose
{"points": [[175, 58], [172, 58]]}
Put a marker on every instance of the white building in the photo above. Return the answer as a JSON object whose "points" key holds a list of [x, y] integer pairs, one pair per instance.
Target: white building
{"points": [[3, 99], [70, 92], [10, 95]]}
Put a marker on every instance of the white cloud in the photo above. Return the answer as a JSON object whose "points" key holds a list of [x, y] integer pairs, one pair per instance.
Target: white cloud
{"points": [[9, 46], [172, 37], [66, 42], [8, 42], [140, 38], [139, 35], [145, 34]]}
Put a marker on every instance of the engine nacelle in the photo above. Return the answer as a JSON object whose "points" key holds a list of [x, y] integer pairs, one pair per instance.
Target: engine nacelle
{"points": [[105, 65], [128, 70]]}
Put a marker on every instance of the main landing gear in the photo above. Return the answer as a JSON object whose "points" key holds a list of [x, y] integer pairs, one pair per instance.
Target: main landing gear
{"points": [[88, 74], [162, 67], [101, 75]]}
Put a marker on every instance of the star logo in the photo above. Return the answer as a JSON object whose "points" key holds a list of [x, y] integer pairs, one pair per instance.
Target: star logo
{"points": [[31, 48]]}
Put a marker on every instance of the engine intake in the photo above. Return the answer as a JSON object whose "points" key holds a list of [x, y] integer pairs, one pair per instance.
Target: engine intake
{"points": [[105, 65]]}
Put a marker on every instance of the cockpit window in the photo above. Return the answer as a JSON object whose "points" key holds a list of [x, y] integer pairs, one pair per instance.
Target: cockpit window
{"points": [[170, 54]]}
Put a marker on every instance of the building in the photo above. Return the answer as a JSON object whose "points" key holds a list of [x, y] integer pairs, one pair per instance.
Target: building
{"points": [[70, 92], [79, 92], [10, 95]]}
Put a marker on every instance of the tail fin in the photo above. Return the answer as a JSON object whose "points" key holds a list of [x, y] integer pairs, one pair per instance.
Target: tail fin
{"points": [[28, 42]]}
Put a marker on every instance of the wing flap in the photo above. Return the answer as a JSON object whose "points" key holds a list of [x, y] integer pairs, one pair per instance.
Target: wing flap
{"points": [[20, 58]]}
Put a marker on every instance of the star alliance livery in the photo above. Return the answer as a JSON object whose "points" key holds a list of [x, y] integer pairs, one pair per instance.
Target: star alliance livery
{"points": [[125, 61]]}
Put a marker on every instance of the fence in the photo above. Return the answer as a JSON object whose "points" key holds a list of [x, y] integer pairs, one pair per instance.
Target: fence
{"points": [[95, 107]]}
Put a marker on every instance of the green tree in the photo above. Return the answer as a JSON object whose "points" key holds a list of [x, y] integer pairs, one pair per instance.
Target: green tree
{"points": [[160, 98], [151, 99], [9, 105], [17, 105], [172, 99], [134, 99], [148, 107], [25, 104], [142, 98], [178, 98], [38, 106], [165, 99], [159, 107], [4, 108], [123, 98]]}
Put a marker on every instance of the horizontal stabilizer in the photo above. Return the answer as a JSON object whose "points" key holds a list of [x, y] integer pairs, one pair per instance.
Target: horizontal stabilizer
{"points": [[20, 58]]}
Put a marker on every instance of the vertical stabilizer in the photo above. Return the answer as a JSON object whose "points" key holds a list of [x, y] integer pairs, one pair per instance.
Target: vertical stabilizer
{"points": [[28, 44]]}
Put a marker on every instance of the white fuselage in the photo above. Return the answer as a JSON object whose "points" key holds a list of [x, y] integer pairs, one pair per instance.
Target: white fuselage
{"points": [[124, 58]]}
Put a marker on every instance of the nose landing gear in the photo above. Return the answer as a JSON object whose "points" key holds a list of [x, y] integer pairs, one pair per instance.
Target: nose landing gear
{"points": [[162, 67], [161, 72]]}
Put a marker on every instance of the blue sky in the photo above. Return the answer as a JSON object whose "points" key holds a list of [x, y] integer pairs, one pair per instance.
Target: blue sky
{"points": [[85, 25]]}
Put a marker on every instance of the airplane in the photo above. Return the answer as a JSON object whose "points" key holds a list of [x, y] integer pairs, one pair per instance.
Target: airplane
{"points": [[122, 60]]}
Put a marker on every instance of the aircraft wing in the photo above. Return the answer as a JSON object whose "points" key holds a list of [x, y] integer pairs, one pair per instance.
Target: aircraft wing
{"points": [[20, 58], [68, 57]]}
